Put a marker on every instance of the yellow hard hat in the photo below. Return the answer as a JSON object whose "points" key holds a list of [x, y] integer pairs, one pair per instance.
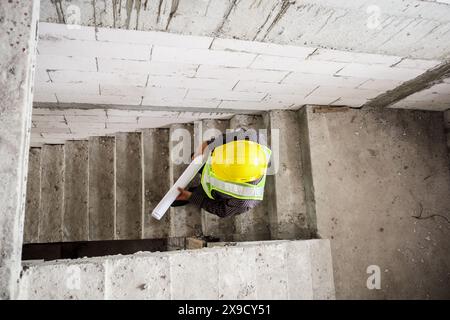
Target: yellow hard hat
{"points": [[239, 161]]}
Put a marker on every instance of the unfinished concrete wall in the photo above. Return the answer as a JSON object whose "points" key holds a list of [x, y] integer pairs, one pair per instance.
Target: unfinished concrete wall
{"points": [[264, 270], [382, 185], [18, 45]]}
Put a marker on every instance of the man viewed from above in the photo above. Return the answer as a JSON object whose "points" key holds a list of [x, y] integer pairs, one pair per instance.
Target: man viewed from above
{"points": [[234, 175]]}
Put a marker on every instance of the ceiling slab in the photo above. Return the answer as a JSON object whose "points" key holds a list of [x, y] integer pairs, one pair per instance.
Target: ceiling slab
{"points": [[167, 70], [412, 28]]}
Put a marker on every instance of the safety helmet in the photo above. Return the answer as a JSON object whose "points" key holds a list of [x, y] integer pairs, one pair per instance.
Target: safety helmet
{"points": [[239, 161]]}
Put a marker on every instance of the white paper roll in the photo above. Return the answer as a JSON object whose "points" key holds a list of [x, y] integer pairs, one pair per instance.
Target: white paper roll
{"points": [[182, 182]]}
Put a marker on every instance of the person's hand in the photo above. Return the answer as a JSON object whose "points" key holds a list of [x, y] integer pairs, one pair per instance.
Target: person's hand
{"points": [[200, 150], [184, 194]]}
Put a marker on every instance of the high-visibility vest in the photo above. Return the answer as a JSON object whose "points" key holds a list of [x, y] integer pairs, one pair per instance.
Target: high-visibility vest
{"points": [[243, 190]]}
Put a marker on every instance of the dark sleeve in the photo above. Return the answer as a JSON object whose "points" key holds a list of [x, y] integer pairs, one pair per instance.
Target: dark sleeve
{"points": [[221, 207]]}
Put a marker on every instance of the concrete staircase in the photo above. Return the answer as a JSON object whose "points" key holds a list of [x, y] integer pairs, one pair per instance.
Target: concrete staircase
{"points": [[105, 188]]}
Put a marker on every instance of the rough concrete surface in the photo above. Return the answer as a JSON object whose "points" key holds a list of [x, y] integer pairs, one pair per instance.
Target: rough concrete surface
{"points": [[176, 243], [166, 70], [155, 146], [257, 270], [387, 27], [76, 170], [194, 275], [381, 182], [32, 208], [139, 278], [307, 179], [298, 257], [101, 188], [84, 120], [81, 281], [253, 224], [185, 220], [128, 161], [424, 81], [240, 283], [271, 273], [52, 194], [18, 47], [212, 225], [447, 127], [322, 271], [288, 215]]}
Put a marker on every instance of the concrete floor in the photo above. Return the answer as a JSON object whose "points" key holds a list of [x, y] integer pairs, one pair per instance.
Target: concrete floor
{"points": [[374, 172]]}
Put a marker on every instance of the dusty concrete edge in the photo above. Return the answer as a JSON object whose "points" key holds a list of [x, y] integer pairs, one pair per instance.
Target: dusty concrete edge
{"points": [[10, 255], [322, 270], [308, 181], [106, 265], [423, 81], [87, 106]]}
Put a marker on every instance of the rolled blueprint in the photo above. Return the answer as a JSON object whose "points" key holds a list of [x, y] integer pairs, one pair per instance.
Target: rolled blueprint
{"points": [[182, 182]]}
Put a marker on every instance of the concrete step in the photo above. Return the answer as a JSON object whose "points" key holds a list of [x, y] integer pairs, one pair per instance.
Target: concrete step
{"points": [[289, 217], [52, 193], [185, 221], [111, 184], [212, 225], [263, 270], [101, 188], [33, 200], [128, 162], [254, 224], [75, 218], [155, 144]]}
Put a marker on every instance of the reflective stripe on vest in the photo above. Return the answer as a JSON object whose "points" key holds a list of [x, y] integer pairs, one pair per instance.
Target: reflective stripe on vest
{"points": [[235, 189]]}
